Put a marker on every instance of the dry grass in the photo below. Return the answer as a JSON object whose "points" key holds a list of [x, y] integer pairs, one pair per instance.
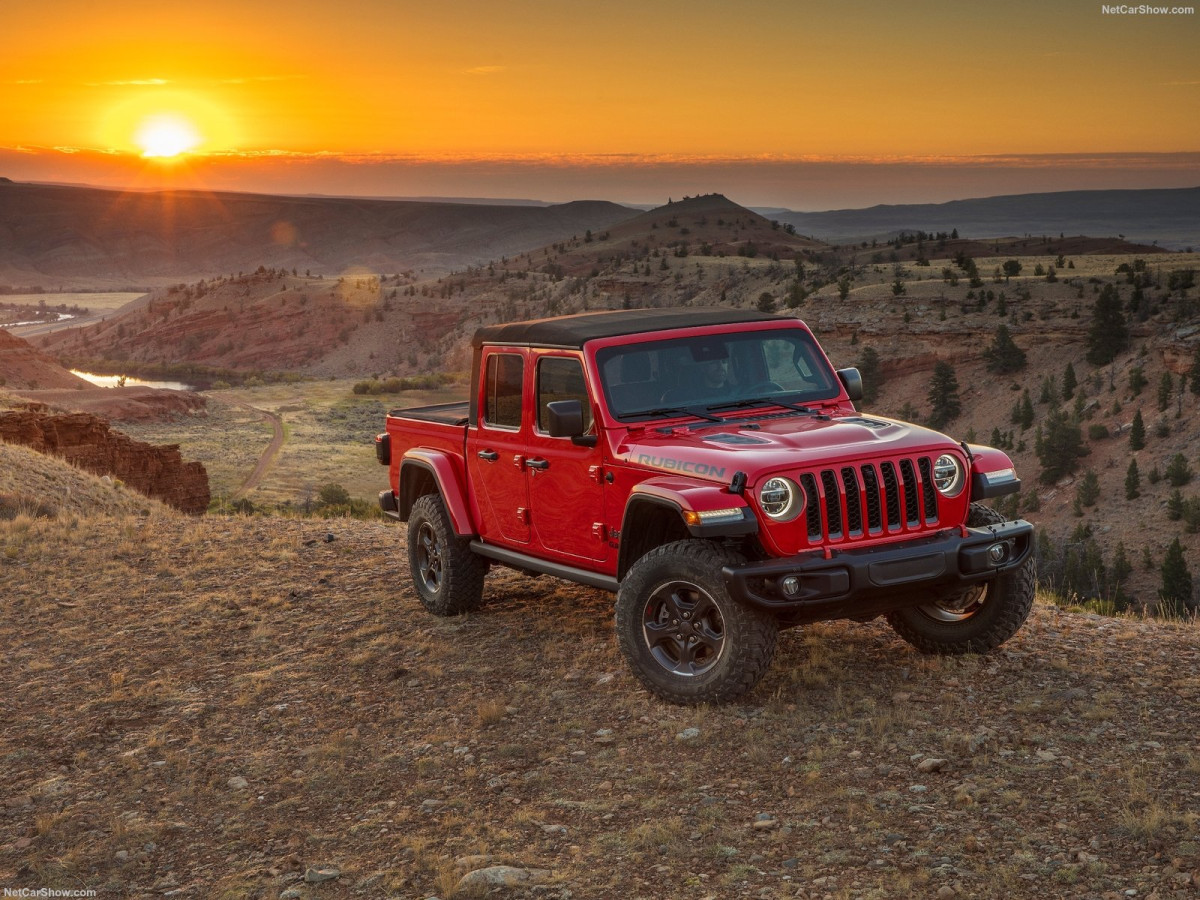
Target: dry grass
{"points": [[392, 744], [329, 438], [33, 485], [93, 301]]}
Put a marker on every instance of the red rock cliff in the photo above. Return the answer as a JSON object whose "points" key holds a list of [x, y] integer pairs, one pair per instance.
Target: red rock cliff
{"points": [[87, 442]]}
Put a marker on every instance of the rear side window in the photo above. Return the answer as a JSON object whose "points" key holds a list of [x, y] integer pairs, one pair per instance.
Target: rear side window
{"points": [[505, 376], [561, 378]]}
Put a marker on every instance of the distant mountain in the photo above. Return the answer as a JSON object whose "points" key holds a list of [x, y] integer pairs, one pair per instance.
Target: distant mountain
{"points": [[474, 201], [52, 235], [1170, 217]]}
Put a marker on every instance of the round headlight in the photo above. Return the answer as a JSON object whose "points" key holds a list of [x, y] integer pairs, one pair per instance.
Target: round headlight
{"points": [[948, 475], [781, 498]]}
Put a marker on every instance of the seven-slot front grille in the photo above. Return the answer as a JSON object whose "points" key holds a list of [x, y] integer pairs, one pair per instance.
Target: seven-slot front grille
{"points": [[852, 501]]}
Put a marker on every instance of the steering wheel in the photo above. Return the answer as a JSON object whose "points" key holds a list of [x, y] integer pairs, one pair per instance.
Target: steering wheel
{"points": [[764, 387]]}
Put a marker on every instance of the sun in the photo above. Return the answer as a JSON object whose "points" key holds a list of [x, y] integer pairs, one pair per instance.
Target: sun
{"points": [[166, 135]]}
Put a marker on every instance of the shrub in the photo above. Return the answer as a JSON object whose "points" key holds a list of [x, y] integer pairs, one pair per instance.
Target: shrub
{"points": [[333, 494], [1003, 355], [1179, 472]]}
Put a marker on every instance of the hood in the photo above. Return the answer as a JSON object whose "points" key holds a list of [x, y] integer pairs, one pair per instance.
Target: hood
{"points": [[760, 446]]}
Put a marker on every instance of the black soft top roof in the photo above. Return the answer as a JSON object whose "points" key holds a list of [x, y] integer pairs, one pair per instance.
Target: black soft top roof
{"points": [[575, 331]]}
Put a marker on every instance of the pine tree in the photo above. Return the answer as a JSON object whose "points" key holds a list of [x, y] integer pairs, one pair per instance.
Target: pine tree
{"points": [[1191, 515], [1178, 472], [1175, 596], [1059, 447], [1089, 488], [1004, 356], [868, 368], [1069, 383], [1137, 432], [1109, 334], [1026, 420], [1165, 387], [1175, 506], [944, 403], [1137, 380], [1132, 481], [1083, 571], [1049, 391]]}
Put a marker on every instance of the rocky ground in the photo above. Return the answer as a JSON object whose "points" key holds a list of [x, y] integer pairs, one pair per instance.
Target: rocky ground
{"points": [[233, 707]]}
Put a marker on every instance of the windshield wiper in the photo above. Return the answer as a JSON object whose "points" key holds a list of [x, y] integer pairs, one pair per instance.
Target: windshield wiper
{"points": [[759, 401], [674, 411]]}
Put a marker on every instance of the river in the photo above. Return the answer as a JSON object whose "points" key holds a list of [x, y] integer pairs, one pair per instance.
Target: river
{"points": [[130, 381]]}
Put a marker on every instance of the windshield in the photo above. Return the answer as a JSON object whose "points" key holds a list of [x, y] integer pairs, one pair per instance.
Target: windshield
{"points": [[669, 377]]}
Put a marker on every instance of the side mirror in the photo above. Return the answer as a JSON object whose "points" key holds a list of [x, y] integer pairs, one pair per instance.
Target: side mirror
{"points": [[564, 418], [852, 382]]}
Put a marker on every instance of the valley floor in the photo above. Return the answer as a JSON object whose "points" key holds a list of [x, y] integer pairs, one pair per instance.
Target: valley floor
{"points": [[213, 707]]}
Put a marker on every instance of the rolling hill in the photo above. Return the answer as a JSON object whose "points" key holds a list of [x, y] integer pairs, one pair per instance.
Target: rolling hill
{"points": [[1170, 217], [271, 318], [54, 236]]}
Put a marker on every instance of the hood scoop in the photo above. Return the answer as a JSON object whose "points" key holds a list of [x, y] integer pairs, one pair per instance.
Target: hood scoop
{"points": [[869, 423], [727, 438]]}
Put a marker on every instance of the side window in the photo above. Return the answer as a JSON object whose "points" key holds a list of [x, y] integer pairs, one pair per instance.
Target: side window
{"points": [[560, 378], [505, 375]]}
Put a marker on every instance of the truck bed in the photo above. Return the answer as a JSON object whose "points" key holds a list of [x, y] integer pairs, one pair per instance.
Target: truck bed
{"points": [[454, 413]]}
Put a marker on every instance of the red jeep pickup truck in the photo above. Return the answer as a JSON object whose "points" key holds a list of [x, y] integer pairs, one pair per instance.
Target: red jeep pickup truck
{"points": [[709, 467]]}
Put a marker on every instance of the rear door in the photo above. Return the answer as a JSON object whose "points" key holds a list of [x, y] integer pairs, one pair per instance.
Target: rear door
{"points": [[566, 481], [496, 447]]}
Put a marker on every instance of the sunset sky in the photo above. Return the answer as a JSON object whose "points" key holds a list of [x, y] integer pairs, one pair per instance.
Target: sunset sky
{"points": [[810, 105]]}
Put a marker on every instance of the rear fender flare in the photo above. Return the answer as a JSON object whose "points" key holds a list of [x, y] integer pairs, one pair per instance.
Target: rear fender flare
{"points": [[446, 472]]}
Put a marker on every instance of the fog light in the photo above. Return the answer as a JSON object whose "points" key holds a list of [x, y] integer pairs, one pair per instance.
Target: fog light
{"points": [[997, 553], [790, 585]]}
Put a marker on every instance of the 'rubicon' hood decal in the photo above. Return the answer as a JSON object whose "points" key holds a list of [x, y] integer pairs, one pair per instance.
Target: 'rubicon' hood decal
{"points": [[716, 452]]}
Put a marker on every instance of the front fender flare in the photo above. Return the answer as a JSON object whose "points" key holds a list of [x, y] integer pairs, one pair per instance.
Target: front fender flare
{"points": [[992, 473], [705, 510]]}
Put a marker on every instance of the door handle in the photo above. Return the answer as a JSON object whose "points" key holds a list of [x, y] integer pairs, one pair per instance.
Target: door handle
{"points": [[538, 463], [489, 455]]}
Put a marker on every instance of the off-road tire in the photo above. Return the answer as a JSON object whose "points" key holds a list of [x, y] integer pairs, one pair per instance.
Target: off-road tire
{"points": [[447, 575], [727, 644], [992, 620]]}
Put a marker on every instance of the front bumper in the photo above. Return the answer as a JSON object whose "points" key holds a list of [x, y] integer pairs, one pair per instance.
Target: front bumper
{"points": [[866, 581]]}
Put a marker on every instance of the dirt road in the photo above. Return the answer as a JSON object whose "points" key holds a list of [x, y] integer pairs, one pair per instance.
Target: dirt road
{"points": [[269, 454]]}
